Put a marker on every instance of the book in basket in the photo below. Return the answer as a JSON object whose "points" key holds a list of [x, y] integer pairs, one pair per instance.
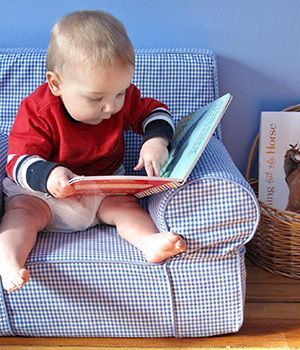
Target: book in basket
{"points": [[279, 160], [191, 137]]}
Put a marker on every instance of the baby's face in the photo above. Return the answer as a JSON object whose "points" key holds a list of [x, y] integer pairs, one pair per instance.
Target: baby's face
{"points": [[91, 96]]}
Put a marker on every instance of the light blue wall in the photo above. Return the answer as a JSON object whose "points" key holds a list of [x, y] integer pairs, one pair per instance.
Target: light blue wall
{"points": [[257, 43]]}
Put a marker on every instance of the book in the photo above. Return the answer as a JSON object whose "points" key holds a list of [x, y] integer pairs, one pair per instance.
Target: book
{"points": [[279, 159], [192, 134]]}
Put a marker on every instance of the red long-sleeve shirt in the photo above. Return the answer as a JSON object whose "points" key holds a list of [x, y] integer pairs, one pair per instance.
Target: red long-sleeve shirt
{"points": [[44, 135]]}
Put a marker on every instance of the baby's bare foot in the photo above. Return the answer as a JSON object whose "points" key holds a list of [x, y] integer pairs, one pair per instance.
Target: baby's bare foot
{"points": [[161, 246], [13, 280]]}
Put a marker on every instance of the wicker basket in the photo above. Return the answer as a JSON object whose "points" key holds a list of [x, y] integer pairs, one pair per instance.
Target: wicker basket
{"points": [[276, 244]]}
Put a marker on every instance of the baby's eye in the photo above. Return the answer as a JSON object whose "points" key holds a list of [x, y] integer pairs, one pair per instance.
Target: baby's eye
{"points": [[121, 94], [95, 99]]}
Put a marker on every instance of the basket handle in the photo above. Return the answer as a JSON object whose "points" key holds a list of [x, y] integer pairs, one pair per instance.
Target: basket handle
{"points": [[250, 158]]}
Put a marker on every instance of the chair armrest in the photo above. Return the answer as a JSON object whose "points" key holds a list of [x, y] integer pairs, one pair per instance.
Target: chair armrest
{"points": [[215, 210], [3, 160]]}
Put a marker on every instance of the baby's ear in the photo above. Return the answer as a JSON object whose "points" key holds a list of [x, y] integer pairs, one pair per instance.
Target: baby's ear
{"points": [[54, 83]]}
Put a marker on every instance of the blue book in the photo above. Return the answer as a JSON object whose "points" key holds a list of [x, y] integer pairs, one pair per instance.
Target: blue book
{"points": [[192, 134]]}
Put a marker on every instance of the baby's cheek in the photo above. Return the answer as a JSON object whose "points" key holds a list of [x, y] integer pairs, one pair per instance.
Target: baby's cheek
{"points": [[119, 106]]}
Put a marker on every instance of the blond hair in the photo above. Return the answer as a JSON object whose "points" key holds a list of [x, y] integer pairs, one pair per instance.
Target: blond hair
{"points": [[90, 38]]}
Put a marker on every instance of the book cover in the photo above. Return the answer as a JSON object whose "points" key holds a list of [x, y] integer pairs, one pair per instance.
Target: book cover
{"points": [[140, 186], [192, 134], [279, 160]]}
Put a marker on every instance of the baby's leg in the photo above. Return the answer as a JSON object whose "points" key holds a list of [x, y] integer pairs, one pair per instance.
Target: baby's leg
{"points": [[23, 218], [136, 226]]}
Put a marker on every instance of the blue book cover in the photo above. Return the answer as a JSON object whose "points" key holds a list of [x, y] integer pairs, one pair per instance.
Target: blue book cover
{"points": [[193, 133]]}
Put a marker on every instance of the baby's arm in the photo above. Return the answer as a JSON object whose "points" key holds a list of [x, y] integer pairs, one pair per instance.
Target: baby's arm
{"points": [[37, 174], [154, 152], [153, 155], [151, 118]]}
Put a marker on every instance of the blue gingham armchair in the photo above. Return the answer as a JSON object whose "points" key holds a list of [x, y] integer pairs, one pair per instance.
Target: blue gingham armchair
{"points": [[95, 284]]}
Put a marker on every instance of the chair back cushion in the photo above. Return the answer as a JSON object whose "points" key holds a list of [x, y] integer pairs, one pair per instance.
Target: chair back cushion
{"points": [[183, 79]]}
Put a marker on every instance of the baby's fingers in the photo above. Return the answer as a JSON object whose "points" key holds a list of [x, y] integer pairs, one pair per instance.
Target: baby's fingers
{"points": [[150, 169], [139, 165], [60, 188], [62, 191]]}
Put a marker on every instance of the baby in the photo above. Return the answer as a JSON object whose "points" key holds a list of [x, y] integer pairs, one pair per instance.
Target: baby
{"points": [[73, 125]]}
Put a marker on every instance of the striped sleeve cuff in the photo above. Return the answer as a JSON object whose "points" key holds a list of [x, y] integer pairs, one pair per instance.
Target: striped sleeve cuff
{"points": [[32, 172], [158, 124], [159, 114]]}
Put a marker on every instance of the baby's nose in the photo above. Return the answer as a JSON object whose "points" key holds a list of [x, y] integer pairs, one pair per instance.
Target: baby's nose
{"points": [[109, 107]]}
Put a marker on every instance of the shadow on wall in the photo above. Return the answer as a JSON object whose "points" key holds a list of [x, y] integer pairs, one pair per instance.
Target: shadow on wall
{"points": [[253, 92]]}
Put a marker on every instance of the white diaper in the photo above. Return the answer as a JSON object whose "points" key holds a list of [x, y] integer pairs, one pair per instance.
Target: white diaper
{"points": [[69, 214]]}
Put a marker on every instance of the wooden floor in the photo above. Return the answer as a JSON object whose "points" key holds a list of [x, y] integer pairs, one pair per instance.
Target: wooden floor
{"points": [[272, 321]]}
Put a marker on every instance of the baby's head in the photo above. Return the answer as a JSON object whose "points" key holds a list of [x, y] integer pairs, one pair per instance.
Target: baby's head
{"points": [[88, 39], [90, 64]]}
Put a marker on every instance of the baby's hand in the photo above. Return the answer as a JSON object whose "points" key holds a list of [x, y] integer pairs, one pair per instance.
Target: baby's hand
{"points": [[58, 182], [153, 155]]}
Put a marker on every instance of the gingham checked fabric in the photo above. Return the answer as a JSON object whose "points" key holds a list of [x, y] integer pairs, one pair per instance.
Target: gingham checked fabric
{"points": [[215, 186], [3, 158], [93, 283]]}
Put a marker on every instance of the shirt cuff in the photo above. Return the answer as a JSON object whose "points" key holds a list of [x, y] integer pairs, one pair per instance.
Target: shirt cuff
{"points": [[158, 128], [38, 173]]}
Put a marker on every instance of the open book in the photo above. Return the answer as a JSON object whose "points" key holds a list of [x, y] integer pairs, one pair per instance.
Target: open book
{"points": [[191, 137]]}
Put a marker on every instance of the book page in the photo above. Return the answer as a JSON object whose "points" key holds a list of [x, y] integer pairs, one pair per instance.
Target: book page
{"points": [[191, 137]]}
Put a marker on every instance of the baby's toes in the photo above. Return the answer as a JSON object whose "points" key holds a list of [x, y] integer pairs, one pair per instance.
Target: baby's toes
{"points": [[177, 241], [22, 277], [180, 245], [9, 285], [173, 237], [17, 281]]}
